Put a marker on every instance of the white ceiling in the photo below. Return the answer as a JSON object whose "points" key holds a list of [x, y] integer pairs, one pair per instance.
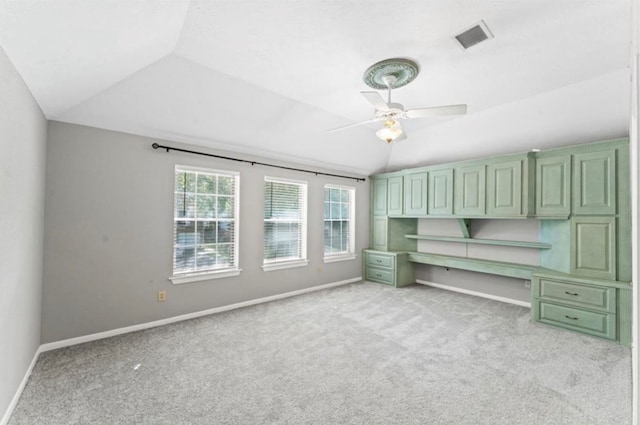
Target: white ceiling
{"points": [[271, 77]]}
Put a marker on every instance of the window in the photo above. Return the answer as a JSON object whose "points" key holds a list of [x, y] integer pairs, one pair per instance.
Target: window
{"points": [[339, 223], [285, 223], [205, 224]]}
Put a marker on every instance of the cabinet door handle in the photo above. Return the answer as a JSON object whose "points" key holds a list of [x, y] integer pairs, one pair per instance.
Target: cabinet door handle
{"points": [[569, 317], [571, 293]]}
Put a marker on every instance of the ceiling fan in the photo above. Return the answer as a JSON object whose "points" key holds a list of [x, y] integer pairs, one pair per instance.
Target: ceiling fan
{"points": [[390, 74]]}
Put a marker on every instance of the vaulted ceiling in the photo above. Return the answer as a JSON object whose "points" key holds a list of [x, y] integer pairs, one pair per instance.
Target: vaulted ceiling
{"points": [[271, 77]]}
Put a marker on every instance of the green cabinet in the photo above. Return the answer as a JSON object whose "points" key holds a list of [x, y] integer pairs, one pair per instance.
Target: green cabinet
{"points": [[594, 307], [379, 234], [387, 233], [553, 186], [441, 192], [470, 190], [415, 193], [394, 196], [379, 196], [593, 247], [504, 188], [594, 183], [389, 268]]}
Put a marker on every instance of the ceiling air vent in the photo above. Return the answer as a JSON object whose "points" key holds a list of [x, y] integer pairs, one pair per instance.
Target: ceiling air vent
{"points": [[474, 35]]}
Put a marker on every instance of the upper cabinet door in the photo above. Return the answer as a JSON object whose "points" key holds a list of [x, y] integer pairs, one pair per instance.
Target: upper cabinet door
{"points": [[394, 196], [441, 192], [415, 193], [504, 188], [553, 182], [594, 183], [379, 196], [470, 190]]}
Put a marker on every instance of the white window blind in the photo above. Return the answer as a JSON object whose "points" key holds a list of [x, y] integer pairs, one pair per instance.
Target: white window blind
{"points": [[285, 220], [339, 221], [205, 221]]}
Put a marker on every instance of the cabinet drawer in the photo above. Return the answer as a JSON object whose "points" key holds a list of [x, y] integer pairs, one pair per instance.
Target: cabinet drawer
{"points": [[600, 298], [599, 324], [380, 260], [379, 275]]}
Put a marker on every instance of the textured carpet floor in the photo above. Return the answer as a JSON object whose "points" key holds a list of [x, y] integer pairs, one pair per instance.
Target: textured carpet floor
{"points": [[358, 354]]}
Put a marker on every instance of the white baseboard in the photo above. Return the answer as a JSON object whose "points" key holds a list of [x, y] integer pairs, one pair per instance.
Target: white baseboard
{"points": [[475, 293], [101, 335], [16, 396]]}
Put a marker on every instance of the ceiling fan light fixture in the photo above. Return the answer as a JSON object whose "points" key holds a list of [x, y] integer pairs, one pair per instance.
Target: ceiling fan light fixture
{"points": [[391, 132]]}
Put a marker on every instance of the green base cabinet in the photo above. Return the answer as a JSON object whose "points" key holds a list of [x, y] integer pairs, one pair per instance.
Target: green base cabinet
{"points": [[590, 306], [389, 268]]}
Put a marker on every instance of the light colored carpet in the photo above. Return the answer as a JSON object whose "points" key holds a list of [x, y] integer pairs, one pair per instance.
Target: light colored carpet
{"points": [[358, 354]]}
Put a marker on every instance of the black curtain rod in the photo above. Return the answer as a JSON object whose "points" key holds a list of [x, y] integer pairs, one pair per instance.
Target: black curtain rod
{"points": [[317, 173]]}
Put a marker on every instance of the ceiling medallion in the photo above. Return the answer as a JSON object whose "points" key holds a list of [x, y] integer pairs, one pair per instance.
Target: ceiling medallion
{"points": [[404, 71]]}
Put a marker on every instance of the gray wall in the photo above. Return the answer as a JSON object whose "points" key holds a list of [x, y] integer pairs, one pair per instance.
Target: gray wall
{"points": [[22, 160], [108, 234], [501, 286]]}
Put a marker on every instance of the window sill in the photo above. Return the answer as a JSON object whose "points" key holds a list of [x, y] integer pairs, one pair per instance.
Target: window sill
{"points": [[197, 277], [269, 267], [338, 258]]}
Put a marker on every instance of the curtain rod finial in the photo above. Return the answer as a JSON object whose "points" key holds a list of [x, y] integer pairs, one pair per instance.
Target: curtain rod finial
{"points": [[155, 146]]}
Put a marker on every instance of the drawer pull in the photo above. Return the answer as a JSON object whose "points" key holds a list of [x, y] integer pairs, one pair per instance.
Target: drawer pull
{"points": [[378, 260], [569, 317], [378, 275], [571, 293]]}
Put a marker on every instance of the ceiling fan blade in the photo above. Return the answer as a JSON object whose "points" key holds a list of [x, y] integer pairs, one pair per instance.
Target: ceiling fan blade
{"points": [[437, 110], [354, 124], [376, 100]]}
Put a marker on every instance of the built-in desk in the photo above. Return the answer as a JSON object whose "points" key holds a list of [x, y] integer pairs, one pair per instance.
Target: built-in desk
{"points": [[596, 307], [520, 271]]}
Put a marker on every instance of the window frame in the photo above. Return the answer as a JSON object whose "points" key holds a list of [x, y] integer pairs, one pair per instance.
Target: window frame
{"points": [[350, 253], [303, 260], [200, 275]]}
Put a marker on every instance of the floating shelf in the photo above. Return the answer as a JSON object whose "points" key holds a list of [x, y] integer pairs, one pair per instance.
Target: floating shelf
{"points": [[519, 244]]}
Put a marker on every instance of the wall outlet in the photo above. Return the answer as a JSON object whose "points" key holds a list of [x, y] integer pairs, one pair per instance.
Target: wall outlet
{"points": [[162, 296], [527, 284]]}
